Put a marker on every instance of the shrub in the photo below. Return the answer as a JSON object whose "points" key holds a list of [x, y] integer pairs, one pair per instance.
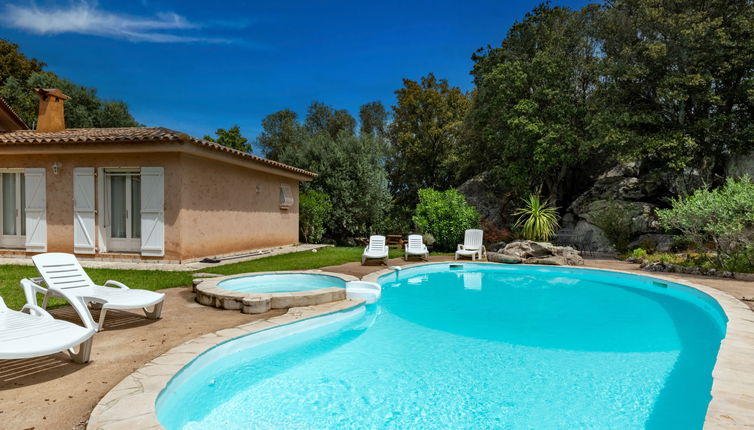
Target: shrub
{"points": [[638, 253], [613, 217], [538, 219], [445, 215], [314, 208], [722, 218]]}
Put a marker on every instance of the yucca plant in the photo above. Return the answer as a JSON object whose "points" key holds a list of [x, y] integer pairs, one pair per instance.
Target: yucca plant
{"points": [[538, 219]]}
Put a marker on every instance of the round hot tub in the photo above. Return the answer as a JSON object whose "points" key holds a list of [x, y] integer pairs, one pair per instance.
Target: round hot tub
{"points": [[259, 292]]}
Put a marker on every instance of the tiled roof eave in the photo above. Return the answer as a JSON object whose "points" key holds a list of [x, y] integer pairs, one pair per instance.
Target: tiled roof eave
{"points": [[136, 135]]}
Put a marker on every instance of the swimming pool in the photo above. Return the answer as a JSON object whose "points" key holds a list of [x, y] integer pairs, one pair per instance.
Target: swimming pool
{"points": [[478, 345], [281, 283]]}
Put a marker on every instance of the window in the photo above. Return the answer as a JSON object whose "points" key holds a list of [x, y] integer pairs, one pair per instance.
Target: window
{"points": [[123, 192], [12, 209], [286, 196]]}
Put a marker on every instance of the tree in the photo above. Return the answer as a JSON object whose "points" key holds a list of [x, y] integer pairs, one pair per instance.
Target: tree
{"points": [[424, 136], [231, 138], [373, 118], [13, 63], [83, 110], [281, 132], [351, 173], [677, 80], [350, 167], [529, 124]]}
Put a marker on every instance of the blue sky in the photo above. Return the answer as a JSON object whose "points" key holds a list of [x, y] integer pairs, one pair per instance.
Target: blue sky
{"points": [[195, 66]]}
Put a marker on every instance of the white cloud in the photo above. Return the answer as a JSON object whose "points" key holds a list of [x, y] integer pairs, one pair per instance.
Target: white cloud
{"points": [[86, 18]]}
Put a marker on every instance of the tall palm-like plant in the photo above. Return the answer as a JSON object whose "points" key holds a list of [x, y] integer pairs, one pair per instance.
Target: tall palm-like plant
{"points": [[538, 219]]}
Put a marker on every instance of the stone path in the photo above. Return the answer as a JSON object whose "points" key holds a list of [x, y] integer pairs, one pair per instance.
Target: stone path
{"points": [[134, 264]]}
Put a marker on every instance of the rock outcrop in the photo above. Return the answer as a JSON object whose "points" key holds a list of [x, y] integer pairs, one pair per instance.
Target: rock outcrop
{"points": [[621, 205], [531, 252], [488, 203]]}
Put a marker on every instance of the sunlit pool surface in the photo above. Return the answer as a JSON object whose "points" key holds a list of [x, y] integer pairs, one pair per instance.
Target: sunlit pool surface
{"points": [[281, 283], [481, 346]]}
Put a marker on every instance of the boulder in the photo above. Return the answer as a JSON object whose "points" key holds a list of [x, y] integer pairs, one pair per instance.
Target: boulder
{"points": [[487, 201], [497, 257], [537, 253], [638, 217], [592, 237]]}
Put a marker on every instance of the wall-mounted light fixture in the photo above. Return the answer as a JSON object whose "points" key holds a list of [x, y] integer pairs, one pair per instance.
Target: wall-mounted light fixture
{"points": [[56, 167]]}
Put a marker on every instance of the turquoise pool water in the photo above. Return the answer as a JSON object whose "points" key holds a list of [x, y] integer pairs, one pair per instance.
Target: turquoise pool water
{"points": [[481, 346], [281, 283]]}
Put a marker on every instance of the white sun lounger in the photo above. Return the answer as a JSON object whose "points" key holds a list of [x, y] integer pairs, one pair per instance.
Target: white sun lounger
{"points": [[415, 247], [65, 278], [376, 250], [472, 245], [37, 333]]}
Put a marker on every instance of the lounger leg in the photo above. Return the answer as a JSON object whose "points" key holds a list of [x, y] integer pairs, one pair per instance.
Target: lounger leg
{"points": [[155, 313], [85, 350], [44, 301], [101, 324]]}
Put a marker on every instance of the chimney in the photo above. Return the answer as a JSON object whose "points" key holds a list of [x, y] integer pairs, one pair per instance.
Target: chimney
{"points": [[51, 117]]}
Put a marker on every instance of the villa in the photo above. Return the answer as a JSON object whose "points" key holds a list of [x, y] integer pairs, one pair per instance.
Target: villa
{"points": [[136, 192]]}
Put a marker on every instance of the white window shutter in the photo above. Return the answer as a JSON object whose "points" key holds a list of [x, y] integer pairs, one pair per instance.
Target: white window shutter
{"points": [[101, 211], [83, 210], [36, 210], [152, 211]]}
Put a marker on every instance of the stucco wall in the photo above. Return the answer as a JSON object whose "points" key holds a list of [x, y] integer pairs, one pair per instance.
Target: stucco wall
{"points": [[223, 212], [59, 191], [211, 207]]}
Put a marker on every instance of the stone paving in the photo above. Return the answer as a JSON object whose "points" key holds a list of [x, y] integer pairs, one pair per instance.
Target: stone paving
{"points": [[170, 266]]}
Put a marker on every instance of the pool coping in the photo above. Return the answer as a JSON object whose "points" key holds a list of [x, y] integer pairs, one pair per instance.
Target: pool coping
{"points": [[131, 403], [209, 294]]}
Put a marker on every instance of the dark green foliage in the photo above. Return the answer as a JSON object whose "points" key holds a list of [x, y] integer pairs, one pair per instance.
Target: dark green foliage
{"points": [[19, 75], [424, 138], [373, 117], [281, 132], [350, 166], [314, 208], [83, 110], [231, 138], [677, 83], [15, 64], [446, 216], [529, 123]]}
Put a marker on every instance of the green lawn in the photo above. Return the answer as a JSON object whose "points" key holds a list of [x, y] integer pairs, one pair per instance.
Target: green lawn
{"points": [[156, 280]]}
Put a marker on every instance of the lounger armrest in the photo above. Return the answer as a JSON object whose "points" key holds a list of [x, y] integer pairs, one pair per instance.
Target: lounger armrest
{"points": [[460, 247], [112, 283], [37, 311], [31, 288]]}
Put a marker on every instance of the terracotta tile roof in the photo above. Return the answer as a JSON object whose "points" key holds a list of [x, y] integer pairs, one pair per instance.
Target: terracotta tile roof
{"points": [[12, 115], [130, 134]]}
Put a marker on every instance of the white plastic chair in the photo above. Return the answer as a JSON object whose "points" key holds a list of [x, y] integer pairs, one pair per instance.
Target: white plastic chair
{"points": [[64, 277], [37, 333], [415, 247], [472, 245], [376, 250]]}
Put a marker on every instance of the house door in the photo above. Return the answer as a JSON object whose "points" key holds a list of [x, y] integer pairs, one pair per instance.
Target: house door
{"points": [[123, 192], [12, 212]]}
